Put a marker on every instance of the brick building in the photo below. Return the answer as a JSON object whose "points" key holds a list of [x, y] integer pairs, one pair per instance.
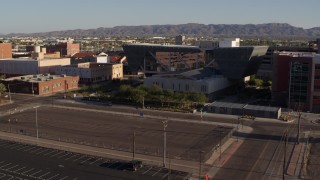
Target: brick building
{"points": [[296, 80], [65, 49], [92, 72], [41, 84], [5, 50]]}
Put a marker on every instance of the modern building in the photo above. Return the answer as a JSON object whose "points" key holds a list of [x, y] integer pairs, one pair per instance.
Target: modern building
{"points": [[65, 49], [40, 84], [296, 80], [229, 42], [5, 50], [142, 57], [92, 72], [265, 70], [26, 66], [232, 65]]}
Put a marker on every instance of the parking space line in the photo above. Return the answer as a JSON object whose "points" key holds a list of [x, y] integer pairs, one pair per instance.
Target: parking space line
{"points": [[57, 154], [29, 149], [64, 177], [53, 176], [98, 159], [20, 169], [11, 145], [50, 152], [79, 158], [66, 154], [5, 165], [33, 151], [147, 170], [86, 160], [17, 145], [4, 144], [35, 173], [12, 167], [157, 172], [72, 156], [44, 175], [26, 146], [42, 151], [166, 175], [28, 171]]}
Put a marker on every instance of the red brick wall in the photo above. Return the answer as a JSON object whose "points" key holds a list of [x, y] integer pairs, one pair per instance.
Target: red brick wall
{"points": [[5, 50], [58, 85]]}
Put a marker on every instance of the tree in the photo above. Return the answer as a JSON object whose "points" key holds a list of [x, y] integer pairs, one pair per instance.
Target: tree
{"points": [[2, 88]]}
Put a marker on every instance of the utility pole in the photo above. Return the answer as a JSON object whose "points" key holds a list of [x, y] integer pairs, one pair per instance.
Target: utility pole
{"points": [[284, 155], [220, 143], [299, 125], [133, 145], [165, 124]]}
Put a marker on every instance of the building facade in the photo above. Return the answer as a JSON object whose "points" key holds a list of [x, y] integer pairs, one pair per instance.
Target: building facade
{"points": [[65, 49], [17, 67], [40, 84], [296, 81], [92, 72], [5, 50]]}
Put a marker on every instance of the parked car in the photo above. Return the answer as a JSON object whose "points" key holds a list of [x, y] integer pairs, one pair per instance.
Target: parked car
{"points": [[134, 165]]}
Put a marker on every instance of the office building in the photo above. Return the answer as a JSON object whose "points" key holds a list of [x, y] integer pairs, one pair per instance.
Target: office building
{"points": [[5, 50]]}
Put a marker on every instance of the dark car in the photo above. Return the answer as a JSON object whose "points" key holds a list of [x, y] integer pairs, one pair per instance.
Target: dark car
{"points": [[134, 165]]}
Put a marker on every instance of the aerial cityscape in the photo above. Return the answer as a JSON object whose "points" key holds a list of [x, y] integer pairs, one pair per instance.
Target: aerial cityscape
{"points": [[159, 90]]}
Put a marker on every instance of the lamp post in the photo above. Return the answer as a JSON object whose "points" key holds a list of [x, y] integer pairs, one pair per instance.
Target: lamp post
{"points": [[165, 124], [9, 92], [200, 163], [36, 107]]}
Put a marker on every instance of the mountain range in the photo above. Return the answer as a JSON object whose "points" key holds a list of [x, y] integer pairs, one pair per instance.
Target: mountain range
{"points": [[258, 30]]}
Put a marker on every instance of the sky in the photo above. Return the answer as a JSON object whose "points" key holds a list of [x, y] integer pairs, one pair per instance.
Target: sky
{"points": [[27, 16]]}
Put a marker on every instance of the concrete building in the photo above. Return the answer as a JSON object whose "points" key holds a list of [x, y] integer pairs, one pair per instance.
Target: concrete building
{"points": [[40, 84], [204, 80], [243, 109], [232, 66], [296, 80], [92, 72], [65, 49], [26, 66], [229, 42], [5, 50]]}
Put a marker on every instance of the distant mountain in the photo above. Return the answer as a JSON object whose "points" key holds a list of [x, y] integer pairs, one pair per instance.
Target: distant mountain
{"points": [[266, 30]]}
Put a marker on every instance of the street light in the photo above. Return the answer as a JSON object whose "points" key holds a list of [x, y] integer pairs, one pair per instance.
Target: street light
{"points": [[200, 163], [36, 107], [9, 92], [165, 124]]}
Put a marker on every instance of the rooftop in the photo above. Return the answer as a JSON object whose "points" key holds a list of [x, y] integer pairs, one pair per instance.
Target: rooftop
{"points": [[35, 78]]}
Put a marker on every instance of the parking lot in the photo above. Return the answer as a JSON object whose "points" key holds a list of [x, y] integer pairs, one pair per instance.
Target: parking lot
{"points": [[33, 162]]}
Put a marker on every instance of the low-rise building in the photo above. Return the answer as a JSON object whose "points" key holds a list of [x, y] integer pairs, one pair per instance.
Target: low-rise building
{"points": [[83, 57], [25, 66], [40, 84], [92, 72]]}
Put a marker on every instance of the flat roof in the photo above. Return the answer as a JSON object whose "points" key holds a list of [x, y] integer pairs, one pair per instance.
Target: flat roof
{"points": [[35, 78], [160, 45]]}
